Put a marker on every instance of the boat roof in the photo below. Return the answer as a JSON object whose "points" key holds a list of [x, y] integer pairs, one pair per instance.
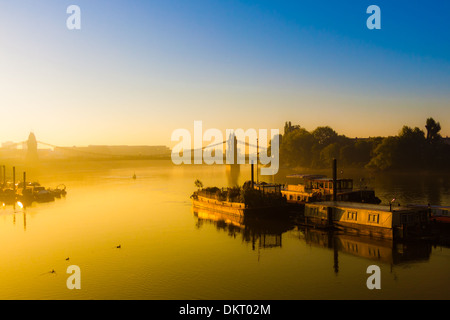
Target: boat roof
{"points": [[306, 176], [267, 184], [428, 206], [313, 177], [363, 206]]}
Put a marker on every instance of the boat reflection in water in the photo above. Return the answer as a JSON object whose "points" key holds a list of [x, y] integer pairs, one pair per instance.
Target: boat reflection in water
{"points": [[386, 251], [15, 209], [261, 233]]}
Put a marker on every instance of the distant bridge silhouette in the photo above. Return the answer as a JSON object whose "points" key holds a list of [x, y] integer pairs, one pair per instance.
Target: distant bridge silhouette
{"points": [[77, 150]]}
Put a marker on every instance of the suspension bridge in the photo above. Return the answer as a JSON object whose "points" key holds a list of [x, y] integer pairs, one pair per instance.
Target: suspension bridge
{"points": [[233, 148]]}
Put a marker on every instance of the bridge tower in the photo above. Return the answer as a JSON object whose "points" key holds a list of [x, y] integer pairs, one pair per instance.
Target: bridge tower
{"points": [[32, 154], [233, 169]]}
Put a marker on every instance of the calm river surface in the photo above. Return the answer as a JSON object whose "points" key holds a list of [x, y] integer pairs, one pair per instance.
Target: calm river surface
{"points": [[168, 251]]}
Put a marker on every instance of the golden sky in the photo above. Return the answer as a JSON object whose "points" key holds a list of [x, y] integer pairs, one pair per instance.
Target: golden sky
{"points": [[134, 74]]}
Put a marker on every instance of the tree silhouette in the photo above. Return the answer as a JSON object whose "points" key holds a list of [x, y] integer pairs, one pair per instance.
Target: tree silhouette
{"points": [[433, 129], [411, 148], [198, 184], [288, 127], [324, 135]]}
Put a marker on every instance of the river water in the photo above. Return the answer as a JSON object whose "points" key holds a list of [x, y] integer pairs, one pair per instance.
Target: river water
{"points": [[169, 251]]}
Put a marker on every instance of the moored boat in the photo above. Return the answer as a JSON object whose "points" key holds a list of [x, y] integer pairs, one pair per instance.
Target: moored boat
{"points": [[313, 188], [7, 195], [439, 214], [41, 194], [241, 201], [381, 221]]}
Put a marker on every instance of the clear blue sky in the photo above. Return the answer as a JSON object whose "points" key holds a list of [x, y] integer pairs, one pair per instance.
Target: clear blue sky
{"points": [[137, 70]]}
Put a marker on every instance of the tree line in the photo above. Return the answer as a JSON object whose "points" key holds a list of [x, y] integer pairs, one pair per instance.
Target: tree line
{"points": [[412, 148]]}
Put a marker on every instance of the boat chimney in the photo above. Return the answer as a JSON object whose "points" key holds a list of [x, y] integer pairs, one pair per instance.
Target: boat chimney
{"points": [[14, 178], [334, 179], [253, 180]]}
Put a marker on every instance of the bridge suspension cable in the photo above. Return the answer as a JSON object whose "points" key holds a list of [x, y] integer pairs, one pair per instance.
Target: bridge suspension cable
{"points": [[75, 150]]}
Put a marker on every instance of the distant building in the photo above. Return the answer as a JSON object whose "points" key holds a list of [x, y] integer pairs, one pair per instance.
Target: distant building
{"points": [[10, 150], [9, 145]]}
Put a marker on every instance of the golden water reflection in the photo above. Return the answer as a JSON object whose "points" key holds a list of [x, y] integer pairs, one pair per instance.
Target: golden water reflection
{"points": [[266, 234], [261, 233], [376, 250], [139, 239]]}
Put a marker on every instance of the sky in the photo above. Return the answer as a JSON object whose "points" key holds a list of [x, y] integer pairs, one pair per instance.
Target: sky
{"points": [[138, 70]]}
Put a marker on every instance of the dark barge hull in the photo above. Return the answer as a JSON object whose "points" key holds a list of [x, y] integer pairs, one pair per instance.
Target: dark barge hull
{"points": [[239, 209]]}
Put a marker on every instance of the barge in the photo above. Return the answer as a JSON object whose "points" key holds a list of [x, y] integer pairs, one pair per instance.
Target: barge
{"points": [[241, 201], [378, 221]]}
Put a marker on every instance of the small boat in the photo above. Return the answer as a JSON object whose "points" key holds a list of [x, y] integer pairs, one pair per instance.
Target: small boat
{"points": [[40, 194], [59, 191], [438, 214]]}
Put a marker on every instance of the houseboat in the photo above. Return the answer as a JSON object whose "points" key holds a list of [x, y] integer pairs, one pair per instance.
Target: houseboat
{"points": [[379, 221], [240, 201], [204, 200], [313, 188]]}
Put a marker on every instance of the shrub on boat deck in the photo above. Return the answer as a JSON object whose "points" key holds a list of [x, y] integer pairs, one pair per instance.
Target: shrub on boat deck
{"points": [[245, 194]]}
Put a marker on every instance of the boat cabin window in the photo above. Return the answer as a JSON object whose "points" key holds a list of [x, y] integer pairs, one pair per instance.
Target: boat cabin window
{"points": [[314, 211], [374, 252], [352, 215], [346, 184], [374, 217], [351, 246]]}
